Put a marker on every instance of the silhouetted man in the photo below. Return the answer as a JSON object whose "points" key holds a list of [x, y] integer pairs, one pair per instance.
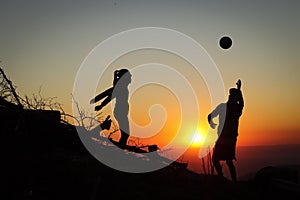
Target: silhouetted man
{"points": [[229, 114]]}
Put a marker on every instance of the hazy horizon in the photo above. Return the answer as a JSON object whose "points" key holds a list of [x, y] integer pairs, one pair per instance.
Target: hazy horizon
{"points": [[250, 159]]}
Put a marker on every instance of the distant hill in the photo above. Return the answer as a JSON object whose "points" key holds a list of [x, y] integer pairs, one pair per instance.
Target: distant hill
{"points": [[252, 158]]}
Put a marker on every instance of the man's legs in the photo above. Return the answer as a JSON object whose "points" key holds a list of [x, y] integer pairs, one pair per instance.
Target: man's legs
{"points": [[218, 167], [231, 169]]}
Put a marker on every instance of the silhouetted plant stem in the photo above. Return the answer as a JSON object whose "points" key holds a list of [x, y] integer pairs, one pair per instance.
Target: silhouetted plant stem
{"points": [[12, 89]]}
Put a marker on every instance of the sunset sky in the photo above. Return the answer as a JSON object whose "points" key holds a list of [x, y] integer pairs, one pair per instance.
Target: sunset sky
{"points": [[43, 43]]}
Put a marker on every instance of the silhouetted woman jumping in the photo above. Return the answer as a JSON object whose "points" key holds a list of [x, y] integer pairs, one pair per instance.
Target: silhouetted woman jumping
{"points": [[122, 78]]}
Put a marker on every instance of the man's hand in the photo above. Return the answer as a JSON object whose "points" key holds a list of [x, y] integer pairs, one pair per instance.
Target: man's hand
{"points": [[212, 125], [239, 84]]}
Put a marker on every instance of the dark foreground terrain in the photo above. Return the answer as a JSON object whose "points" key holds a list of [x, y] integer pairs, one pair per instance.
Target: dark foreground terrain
{"points": [[63, 174], [42, 158]]}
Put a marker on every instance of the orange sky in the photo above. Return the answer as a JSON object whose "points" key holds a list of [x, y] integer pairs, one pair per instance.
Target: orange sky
{"points": [[262, 121], [41, 48]]}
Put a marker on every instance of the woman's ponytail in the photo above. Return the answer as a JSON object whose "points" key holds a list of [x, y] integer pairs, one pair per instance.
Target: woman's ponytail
{"points": [[116, 78]]}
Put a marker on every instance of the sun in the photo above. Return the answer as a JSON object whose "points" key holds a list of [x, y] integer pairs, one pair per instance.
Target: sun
{"points": [[197, 139]]}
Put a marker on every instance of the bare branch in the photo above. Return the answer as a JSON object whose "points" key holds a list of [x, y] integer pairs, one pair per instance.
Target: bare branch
{"points": [[85, 119], [7, 90]]}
